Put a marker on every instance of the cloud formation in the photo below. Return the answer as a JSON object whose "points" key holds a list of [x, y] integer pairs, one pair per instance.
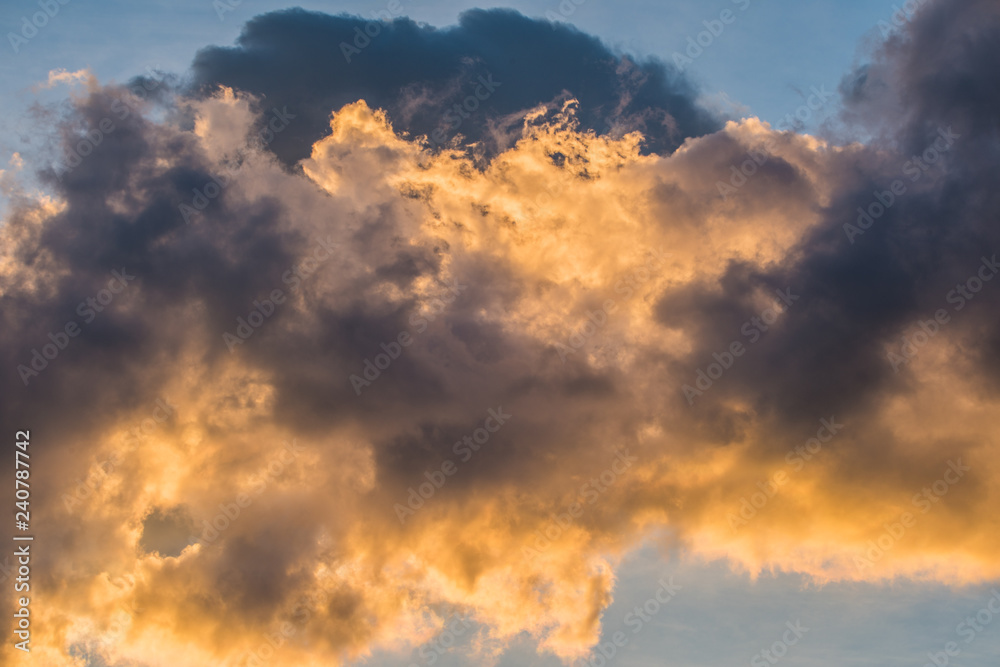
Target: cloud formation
{"points": [[570, 264], [424, 78]]}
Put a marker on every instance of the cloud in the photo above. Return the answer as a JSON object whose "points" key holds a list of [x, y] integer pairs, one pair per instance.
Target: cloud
{"points": [[58, 76], [316, 63], [576, 276]]}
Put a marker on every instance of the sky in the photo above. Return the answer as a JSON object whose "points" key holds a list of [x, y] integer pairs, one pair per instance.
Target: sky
{"points": [[417, 334], [798, 45]]}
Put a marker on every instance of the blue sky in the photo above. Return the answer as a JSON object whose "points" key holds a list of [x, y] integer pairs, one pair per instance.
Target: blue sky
{"points": [[721, 617], [763, 63]]}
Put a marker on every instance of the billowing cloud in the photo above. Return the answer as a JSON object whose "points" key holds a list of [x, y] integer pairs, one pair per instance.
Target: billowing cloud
{"points": [[472, 81], [338, 385]]}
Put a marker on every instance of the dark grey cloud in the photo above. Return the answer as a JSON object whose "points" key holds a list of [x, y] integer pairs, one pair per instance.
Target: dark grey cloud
{"points": [[827, 352], [418, 73]]}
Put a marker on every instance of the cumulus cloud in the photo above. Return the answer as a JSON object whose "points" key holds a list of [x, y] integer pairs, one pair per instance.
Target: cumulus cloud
{"points": [[361, 382], [61, 76], [317, 63]]}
